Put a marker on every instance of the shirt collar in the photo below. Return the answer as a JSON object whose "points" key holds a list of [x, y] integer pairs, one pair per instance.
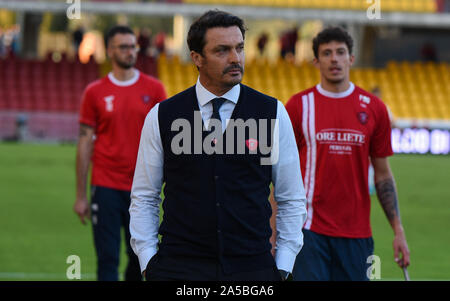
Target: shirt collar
{"points": [[204, 96], [336, 95], [125, 83]]}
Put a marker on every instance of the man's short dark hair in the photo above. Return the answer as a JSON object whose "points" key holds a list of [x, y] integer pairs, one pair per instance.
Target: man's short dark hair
{"points": [[330, 34], [118, 29], [211, 19]]}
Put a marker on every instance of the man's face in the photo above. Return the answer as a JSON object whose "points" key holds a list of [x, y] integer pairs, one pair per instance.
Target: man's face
{"points": [[334, 62], [222, 63], [122, 50]]}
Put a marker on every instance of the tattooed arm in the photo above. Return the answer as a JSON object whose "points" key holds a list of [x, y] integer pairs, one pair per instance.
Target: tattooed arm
{"points": [[387, 195], [84, 152]]}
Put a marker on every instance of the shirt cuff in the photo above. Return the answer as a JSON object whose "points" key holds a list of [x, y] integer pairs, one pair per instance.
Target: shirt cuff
{"points": [[285, 260], [144, 258]]}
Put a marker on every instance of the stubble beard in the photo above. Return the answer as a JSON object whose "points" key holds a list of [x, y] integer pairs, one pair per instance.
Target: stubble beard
{"points": [[335, 81], [125, 64], [234, 81]]}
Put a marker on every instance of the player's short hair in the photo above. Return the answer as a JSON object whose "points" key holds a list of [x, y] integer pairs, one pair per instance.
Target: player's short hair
{"points": [[211, 19], [330, 34], [118, 29]]}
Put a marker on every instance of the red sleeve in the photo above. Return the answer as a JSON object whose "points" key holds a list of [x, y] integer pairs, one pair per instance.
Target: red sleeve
{"points": [[88, 114], [294, 109], [380, 144]]}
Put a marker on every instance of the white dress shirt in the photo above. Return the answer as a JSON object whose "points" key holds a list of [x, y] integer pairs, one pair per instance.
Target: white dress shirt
{"points": [[286, 177]]}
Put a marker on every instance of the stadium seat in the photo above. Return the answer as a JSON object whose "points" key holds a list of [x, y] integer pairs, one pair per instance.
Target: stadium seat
{"points": [[412, 90], [416, 6], [43, 85]]}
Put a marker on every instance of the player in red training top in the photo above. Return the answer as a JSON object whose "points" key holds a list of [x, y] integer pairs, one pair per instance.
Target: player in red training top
{"points": [[112, 114], [339, 127]]}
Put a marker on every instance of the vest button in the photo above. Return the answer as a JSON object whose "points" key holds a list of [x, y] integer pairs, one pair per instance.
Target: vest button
{"points": [[216, 178], [218, 231], [218, 204]]}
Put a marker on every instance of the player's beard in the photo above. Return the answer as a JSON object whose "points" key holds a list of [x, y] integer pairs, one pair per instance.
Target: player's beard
{"points": [[234, 81], [335, 81], [126, 64]]}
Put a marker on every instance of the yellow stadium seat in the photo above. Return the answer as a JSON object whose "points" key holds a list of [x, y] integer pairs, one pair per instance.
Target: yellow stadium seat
{"points": [[422, 6], [418, 6], [341, 4], [430, 6], [356, 5], [387, 5], [301, 3], [325, 4], [412, 90]]}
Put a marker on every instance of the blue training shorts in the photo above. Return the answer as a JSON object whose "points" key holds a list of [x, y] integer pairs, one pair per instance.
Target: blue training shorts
{"points": [[327, 258]]}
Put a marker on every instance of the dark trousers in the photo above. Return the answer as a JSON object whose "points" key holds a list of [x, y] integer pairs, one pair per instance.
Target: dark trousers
{"points": [[172, 268], [326, 258], [109, 213]]}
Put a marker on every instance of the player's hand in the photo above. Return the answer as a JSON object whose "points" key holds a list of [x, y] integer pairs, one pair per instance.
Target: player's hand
{"points": [[401, 248], [81, 208], [273, 242]]}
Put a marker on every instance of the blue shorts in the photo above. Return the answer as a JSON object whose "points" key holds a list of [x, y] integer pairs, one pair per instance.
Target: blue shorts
{"points": [[327, 258], [109, 215]]}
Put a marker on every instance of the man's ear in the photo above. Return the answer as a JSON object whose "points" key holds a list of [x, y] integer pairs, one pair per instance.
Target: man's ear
{"points": [[109, 51], [197, 58], [109, 48], [352, 59], [316, 62]]}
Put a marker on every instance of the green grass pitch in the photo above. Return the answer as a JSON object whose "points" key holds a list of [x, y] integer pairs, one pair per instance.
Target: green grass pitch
{"points": [[39, 229]]}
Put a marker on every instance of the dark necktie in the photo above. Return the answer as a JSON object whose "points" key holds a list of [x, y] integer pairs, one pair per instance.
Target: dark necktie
{"points": [[216, 103]]}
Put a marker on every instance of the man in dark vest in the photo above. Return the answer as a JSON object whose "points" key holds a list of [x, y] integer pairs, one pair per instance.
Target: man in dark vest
{"points": [[217, 146]]}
